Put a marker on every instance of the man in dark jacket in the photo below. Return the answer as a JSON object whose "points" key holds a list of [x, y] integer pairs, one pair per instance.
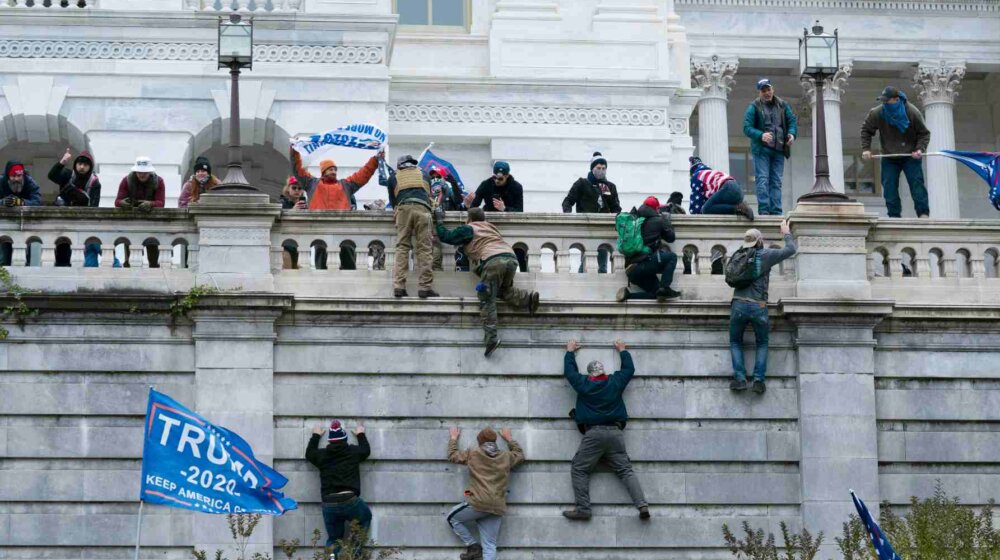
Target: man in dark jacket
{"points": [[340, 480], [594, 194], [17, 187], [642, 268], [901, 130], [600, 412], [78, 186], [499, 193], [142, 189], [771, 126]]}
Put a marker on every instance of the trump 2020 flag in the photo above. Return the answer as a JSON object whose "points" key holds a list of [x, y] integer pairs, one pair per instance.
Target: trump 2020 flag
{"points": [[359, 136], [986, 165], [429, 160], [879, 541], [190, 463]]}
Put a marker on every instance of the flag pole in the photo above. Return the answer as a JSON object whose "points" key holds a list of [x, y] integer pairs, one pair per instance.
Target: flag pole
{"points": [[427, 149], [138, 523]]}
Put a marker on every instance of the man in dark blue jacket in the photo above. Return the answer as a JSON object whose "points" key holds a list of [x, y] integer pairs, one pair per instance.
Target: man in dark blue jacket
{"points": [[600, 412]]}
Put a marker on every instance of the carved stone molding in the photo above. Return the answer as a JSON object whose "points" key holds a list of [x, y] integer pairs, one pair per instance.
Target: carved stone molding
{"points": [[678, 125], [819, 244], [949, 6], [833, 86], [715, 76], [120, 50], [938, 83], [235, 236], [517, 114]]}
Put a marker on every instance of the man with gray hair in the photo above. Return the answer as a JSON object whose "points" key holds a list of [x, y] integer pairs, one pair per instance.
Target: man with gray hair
{"points": [[749, 304], [601, 415]]}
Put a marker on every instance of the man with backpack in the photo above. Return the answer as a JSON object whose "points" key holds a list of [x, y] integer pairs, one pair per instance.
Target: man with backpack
{"points": [[748, 272], [642, 234]]}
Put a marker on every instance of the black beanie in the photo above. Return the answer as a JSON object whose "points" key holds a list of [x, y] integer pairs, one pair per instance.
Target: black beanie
{"points": [[676, 197], [597, 159], [201, 162]]}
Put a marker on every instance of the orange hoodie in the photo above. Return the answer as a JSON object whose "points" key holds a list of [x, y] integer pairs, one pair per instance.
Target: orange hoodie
{"points": [[336, 195]]}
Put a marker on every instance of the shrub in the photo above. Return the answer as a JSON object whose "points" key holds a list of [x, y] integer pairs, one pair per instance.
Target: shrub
{"points": [[798, 546]]}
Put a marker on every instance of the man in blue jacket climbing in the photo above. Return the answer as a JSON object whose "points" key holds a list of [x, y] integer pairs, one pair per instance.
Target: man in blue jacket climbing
{"points": [[601, 415]]}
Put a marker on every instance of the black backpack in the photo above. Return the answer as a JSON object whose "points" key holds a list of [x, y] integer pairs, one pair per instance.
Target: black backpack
{"points": [[743, 268]]}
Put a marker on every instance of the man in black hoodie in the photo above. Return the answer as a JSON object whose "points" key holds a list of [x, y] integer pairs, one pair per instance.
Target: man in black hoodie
{"points": [[78, 186], [594, 195], [642, 268], [340, 480]]}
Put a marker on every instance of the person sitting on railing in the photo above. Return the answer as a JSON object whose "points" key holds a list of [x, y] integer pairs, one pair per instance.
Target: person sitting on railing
{"points": [[17, 187], [201, 182], [142, 189], [594, 194], [493, 260], [642, 268], [714, 192], [292, 198], [78, 186], [410, 190]]}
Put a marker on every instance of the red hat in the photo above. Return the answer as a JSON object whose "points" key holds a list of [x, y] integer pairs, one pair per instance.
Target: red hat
{"points": [[652, 202], [292, 180], [439, 170], [14, 169]]}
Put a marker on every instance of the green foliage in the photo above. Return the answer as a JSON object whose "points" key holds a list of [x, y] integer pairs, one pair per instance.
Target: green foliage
{"points": [[798, 546], [18, 310], [355, 546], [183, 306], [241, 528]]}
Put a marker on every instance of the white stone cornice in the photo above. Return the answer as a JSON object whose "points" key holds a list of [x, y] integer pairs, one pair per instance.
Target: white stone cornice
{"points": [[938, 6], [714, 75], [938, 83], [519, 114], [833, 86]]}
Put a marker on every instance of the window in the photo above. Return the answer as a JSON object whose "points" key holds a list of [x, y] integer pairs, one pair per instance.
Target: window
{"points": [[741, 168], [860, 176], [437, 13]]}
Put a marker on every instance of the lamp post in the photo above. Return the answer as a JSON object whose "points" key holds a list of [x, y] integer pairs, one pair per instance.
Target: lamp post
{"points": [[819, 57], [235, 53]]}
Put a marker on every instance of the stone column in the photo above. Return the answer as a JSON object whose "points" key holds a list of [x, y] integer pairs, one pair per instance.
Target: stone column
{"points": [[937, 85], [715, 77], [833, 88]]}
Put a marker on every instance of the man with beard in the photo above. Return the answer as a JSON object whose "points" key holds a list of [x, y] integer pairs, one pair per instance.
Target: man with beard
{"points": [[17, 188], [78, 186], [594, 194]]}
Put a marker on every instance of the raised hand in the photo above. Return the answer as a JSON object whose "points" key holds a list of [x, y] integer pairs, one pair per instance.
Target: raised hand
{"points": [[454, 432], [619, 345], [572, 346]]}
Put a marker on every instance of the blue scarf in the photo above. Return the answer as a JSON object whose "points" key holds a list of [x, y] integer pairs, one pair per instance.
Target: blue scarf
{"points": [[895, 113]]}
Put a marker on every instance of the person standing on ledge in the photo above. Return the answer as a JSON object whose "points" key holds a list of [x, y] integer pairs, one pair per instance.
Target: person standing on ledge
{"points": [[901, 130], [340, 480], [494, 262], [486, 498], [594, 194], [771, 126], [410, 192], [601, 415]]}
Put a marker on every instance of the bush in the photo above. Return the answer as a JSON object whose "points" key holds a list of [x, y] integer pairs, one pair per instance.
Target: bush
{"points": [[355, 546], [798, 546]]}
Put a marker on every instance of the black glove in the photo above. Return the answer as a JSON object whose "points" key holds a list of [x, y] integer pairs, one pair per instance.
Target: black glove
{"points": [[125, 203], [145, 206], [9, 201], [439, 215]]}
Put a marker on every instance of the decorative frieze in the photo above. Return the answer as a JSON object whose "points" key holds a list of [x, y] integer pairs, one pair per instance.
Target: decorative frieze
{"points": [[517, 114]]}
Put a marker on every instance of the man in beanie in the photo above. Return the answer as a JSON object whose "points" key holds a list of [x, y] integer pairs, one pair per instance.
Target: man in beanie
{"points": [[499, 193], [78, 186], [674, 205], [340, 480], [494, 262], [642, 269], [601, 415], [17, 187], [142, 189], [771, 126], [486, 497], [594, 194], [714, 192], [901, 130], [749, 306], [201, 182], [409, 193]]}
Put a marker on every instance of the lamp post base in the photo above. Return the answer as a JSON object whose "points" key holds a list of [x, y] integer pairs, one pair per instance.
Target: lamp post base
{"points": [[235, 182], [823, 191]]}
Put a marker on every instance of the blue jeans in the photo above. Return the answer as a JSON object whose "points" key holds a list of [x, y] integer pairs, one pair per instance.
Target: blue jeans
{"points": [[768, 166], [891, 167], [337, 516], [741, 313], [724, 200], [644, 274]]}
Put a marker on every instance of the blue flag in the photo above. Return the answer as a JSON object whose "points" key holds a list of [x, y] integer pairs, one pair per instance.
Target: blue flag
{"points": [[879, 541], [429, 160], [190, 463], [986, 165]]}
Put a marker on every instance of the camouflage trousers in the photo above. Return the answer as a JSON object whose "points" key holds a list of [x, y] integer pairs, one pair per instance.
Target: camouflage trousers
{"points": [[497, 281], [413, 225]]}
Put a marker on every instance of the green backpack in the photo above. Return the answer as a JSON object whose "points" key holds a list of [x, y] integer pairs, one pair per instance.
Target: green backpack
{"points": [[629, 228]]}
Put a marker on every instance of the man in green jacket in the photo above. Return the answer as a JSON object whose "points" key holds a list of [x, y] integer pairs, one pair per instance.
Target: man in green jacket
{"points": [[772, 127], [601, 415]]}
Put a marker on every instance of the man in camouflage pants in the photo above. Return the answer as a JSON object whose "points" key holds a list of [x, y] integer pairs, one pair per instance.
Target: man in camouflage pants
{"points": [[494, 261]]}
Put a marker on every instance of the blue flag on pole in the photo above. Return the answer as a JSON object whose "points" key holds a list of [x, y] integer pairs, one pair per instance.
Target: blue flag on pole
{"points": [[190, 463], [879, 541], [986, 165], [429, 160]]}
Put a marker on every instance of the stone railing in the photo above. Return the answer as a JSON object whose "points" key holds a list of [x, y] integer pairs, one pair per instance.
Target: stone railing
{"points": [[957, 6], [54, 4], [244, 5]]}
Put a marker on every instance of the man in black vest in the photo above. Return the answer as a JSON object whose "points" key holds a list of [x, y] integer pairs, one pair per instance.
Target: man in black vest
{"points": [[771, 125]]}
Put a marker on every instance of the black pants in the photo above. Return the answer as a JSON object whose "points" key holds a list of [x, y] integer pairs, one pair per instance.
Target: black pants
{"points": [[644, 274]]}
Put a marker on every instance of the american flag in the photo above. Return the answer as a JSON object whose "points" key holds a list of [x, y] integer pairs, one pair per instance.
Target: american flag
{"points": [[879, 542], [704, 183]]}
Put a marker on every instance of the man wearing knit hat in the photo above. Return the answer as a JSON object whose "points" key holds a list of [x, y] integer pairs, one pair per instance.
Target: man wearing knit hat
{"points": [[486, 497], [78, 186], [410, 192], [643, 269], [749, 307], [17, 187], [340, 480], [600, 413], [715, 192], [594, 194]]}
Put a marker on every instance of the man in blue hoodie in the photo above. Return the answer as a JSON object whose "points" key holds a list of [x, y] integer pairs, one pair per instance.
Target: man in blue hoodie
{"points": [[601, 416]]}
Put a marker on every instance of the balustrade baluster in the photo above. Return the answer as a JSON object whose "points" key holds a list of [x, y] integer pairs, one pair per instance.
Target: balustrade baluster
{"points": [[107, 255], [76, 256], [978, 267], [590, 262], [562, 262], [923, 267], [19, 253], [48, 254]]}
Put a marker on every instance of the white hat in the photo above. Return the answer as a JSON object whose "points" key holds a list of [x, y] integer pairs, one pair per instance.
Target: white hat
{"points": [[751, 238], [143, 165]]}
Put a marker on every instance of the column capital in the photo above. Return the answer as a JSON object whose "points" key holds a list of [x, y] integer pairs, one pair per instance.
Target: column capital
{"points": [[714, 75], [938, 83], [833, 86]]}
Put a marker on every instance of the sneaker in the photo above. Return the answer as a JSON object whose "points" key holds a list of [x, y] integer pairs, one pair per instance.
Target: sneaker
{"points": [[759, 387], [577, 515], [644, 513], [399, 292], [490, 347], [666, 294], [472, 552], [738, 385], [743, 209], [622, 295], [533, 303], [424, 294]]}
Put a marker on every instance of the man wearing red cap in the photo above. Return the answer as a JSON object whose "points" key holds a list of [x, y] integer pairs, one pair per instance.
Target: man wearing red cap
{"points": [[17, 188], [642, 268], [340, 480]]}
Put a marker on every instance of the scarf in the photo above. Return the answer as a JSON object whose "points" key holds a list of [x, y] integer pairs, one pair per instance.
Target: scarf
{"points": [[490, 448], [895, 113]]}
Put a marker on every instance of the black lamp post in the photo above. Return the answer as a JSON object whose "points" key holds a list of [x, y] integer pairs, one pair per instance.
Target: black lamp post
{"points": [[235, 53], [819, 57]]}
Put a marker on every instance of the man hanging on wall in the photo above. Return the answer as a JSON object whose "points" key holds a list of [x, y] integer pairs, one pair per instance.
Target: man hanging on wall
{"points": [[340, 480]]}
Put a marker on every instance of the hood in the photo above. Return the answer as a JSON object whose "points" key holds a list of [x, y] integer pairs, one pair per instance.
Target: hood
{"points": [[84, 156], [490, 449]]}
